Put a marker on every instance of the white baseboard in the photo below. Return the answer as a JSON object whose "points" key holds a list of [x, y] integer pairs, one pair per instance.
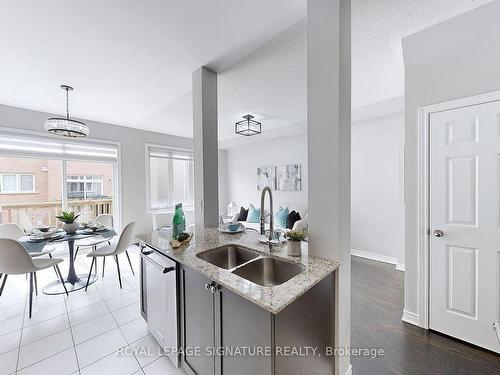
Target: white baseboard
{"points": [[349, 370], [411, 318], [378, 258]]}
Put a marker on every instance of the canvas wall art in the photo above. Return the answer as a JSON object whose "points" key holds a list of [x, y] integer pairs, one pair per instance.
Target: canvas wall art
{"points": [[266, 176], [289, 178]]}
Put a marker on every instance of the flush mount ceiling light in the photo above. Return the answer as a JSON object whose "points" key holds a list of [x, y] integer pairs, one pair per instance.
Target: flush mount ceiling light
{"points": [[66, 126], [248, 126]]}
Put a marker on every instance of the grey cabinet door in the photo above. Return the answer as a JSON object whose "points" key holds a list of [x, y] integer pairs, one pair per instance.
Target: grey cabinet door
{"points": [[199, 323], [244, 325]]}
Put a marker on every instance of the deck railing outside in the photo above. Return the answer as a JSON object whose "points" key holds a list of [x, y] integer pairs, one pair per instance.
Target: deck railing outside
{"points": [[30, 213]]}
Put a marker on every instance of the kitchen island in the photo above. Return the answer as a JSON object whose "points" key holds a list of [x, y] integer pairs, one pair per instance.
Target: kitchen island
{"points": [[243, 307]]}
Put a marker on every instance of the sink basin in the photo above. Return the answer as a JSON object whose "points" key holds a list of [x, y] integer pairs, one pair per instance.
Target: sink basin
{"points": [[269, 271], [228, 256]]}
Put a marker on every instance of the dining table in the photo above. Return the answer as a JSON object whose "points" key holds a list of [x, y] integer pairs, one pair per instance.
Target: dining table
{"points": [[73, 281]]}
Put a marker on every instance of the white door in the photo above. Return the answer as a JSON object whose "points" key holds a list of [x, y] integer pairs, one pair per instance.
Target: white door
{"points": [[465, 207]]}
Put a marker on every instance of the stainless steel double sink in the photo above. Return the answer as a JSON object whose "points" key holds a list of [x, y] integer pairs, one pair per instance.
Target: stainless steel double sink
{"points": [[250, 265]]}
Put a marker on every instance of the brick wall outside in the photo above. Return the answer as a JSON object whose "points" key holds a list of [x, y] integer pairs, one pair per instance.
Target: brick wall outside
{"points": [[48, 186]]}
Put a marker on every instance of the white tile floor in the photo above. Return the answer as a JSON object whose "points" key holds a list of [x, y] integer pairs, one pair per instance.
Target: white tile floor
{"points": [[82, 333]]}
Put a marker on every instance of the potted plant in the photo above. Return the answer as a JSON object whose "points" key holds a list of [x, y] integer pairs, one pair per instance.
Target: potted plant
{"points": [[69, 218], [295, 237]]}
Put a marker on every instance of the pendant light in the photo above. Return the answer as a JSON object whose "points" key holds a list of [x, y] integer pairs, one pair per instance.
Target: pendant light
{"points": [[66, 126]]}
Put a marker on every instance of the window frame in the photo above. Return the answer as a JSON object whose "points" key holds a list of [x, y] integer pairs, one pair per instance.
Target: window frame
{"points": [[18, 183], [147, 151]]}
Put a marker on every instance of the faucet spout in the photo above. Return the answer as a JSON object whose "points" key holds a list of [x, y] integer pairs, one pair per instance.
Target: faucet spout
{"points": [[262, 216]]}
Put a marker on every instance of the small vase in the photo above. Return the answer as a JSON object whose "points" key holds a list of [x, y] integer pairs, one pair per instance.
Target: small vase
{"points": [[293, 248], [70, 228]]}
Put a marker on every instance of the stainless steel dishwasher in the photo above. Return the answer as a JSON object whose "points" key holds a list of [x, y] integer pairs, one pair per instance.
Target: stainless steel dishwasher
{"points": [[159, 300]]}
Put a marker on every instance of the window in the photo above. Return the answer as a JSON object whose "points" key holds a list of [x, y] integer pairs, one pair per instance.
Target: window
{"points": [[9, 183], [85, 187], [61, 174], [26, 182], [17, 183], [171, 174]]}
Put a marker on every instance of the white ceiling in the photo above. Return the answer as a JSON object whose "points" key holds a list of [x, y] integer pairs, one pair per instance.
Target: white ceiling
{"points": [[271, 82], [377, 29], [127, 59], [131, 61]]}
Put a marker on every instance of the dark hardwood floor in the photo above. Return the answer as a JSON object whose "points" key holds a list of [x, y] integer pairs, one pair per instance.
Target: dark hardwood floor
{"points": [[377, 306]]}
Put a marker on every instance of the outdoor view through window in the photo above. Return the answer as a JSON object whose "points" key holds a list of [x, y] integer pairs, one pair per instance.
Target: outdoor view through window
{"points": [[34, 191]]}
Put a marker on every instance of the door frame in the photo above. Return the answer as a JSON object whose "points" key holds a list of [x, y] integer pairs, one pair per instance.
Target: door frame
{"points": [[423, 189]]}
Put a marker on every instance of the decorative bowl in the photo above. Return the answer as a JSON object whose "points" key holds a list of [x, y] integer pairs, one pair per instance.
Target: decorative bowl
{"points": [[233, 227], [43, 228]]}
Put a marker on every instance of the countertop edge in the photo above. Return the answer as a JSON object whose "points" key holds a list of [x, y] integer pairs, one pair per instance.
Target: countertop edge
{"points": [[268, 307]]}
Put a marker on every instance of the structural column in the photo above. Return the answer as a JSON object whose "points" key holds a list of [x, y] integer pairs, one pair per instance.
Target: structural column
{"points": [[329, 140], [206, 193]]}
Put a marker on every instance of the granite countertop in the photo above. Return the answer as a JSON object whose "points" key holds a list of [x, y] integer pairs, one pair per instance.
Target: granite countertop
{"points": [[273, 299]]}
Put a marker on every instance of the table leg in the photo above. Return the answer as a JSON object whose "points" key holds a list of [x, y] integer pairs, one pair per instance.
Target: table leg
{"points": [[73, 281], [72, 276]]}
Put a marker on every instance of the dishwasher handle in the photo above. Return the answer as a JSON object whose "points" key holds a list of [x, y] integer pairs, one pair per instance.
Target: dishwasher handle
{"points": [[163, 269]]}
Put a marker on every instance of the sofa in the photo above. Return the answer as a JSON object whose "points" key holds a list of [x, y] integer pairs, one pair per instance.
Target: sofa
{"points": [[299, 225]]}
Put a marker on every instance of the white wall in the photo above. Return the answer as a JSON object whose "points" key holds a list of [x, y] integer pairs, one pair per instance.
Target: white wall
{"points": [[223, 182], [377, 187], [205, 148], [455, 59], [329, 151], [243, 161], [133, 175]]}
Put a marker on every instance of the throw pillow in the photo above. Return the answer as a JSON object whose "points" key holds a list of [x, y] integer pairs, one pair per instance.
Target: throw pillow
{"points": [[253, 214], [243, 214], [293, 217], [282, 217]]}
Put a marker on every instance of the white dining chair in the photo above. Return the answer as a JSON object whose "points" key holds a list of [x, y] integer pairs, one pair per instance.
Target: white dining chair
{"points": [[14, 232], [92, 242], [15, 260], [122, 246]]}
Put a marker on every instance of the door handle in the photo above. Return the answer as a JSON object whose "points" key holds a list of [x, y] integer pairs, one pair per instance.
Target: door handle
{"points": [[496, 328], [214, 288], [438, 233], [168, 269]]}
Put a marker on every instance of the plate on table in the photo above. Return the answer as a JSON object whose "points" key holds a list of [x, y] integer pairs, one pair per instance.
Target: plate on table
{"points": [[92, 231], [53, 236], [35, 239]]}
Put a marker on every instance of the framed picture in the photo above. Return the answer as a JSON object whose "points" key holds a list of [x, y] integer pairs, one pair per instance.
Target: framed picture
{"points": [[266, 176], [289, 178]]}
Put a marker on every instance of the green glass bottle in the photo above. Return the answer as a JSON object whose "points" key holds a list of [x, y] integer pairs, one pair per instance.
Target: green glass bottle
{"points": [[178, 221]]}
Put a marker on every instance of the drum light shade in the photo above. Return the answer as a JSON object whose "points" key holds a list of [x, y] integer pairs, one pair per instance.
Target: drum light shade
{"points": [[66, 126]]}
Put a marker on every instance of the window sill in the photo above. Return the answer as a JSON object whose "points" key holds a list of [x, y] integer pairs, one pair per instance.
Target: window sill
{"points": [[169, 210], [18, 192]]}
